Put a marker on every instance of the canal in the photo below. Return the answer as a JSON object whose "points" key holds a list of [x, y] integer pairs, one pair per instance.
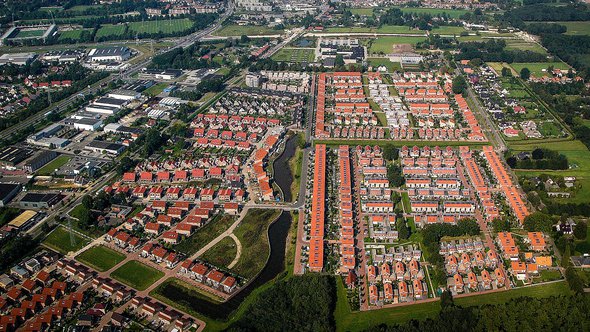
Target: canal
{"points": [[277, 234]]}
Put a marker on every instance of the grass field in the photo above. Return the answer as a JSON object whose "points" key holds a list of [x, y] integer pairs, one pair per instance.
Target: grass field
{"points": [[362, 11], [391, 66], [384, 29], [579, 28], [296, 55], [155, 89], [355, 321], [385, 44], [253, 234], [448, 30], [111, 30], [137, 275], [100, 258], [71, 34], [164, 26], [81, 8], [248, 30], [56, 163], [204, 235], [221, 254], [453, 13], [77, 211], [539, 68], [61, 241], [518, 44]]}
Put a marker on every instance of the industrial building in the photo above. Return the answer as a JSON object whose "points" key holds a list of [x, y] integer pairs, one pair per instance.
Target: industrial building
{"points": [[109, 54]]}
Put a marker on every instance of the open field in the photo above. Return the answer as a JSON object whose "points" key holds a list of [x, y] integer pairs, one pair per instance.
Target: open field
{"points": [[391, 66], [81, 8], [580, 28], [402, 29], [248, 30], [72, 34], [137, 275], [253, 235], [204, 235], [56, 163], [61, 241], [518, 44], [385, 44], [100, 258], [448, 30], [296, 55], [354, 321], [221, 254], [164, 26], [362, 11], [156, 89], [539, 68], [453, 13], [110, 30]]}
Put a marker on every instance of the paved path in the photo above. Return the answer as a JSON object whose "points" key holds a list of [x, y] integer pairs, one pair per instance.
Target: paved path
{"points": [[239, 251]]}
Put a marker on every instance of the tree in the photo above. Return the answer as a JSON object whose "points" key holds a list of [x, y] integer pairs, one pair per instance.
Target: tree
{"points": [[446, 300], [402, 229], [506, 72], [538, 222], [581, 230], [525, 73], [459, 84], [390, 152], [125, 165], [339, 61], [87, 202], [501, 225]]}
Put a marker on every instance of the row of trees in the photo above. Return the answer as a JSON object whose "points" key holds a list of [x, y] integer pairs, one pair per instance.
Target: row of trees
{"points": [[494, 51], [541, 159]]}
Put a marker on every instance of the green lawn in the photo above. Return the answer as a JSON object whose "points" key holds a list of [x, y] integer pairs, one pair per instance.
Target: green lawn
{"points": [[221, 254], [61, 241], [549, 275], [100, 258], [253, 235], [29, 33], [56, 163], [401, 29], [155, 89], [385, 44], [204, 235], [137, 275], [391, 66], [110, 30], [355, 321], [248, 30], [453, 13], [519, 44], [539, 69], [163, 26], [76, 212], [82, 8], [295, 55]]}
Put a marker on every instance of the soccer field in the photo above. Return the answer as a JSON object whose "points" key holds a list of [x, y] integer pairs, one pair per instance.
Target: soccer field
{"points": [[164, 26], [71, 34], [385, 44], [294, 55], [29, 33], [110, 30]]}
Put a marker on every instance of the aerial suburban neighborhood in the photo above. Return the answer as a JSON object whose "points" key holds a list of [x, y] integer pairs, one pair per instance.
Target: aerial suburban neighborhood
{"points": [[261, 165]]}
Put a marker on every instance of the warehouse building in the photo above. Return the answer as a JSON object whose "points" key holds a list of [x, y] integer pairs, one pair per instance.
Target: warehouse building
{"points": [[40, 200], [109, 54], [7, 192]]}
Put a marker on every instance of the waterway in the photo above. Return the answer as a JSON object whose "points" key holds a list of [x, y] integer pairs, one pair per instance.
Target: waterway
{"points": [[277, 234]]}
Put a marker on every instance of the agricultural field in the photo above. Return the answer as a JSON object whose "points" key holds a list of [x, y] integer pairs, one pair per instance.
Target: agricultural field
{"points": [[578, 28], [248, 30], [61, 240], [539, 69], [385, 44], [518, 44], [448, 30], [100, 258], [296, 55], [108, 30], [137, 275], [163, 26]]}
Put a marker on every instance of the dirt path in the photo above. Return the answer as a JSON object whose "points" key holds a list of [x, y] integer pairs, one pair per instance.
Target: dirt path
{"points": [[239, 251]]}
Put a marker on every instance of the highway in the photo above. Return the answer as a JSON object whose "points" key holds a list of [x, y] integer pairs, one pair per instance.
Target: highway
{"points": [[61, 106]]}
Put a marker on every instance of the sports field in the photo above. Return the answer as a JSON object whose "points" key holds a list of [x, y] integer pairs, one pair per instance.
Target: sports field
{"points": [[100, 258], [137, 275], [539, 68], [29, 33], [111, 30], [519, 44], [248, 30], [72, 34], [164, 26], [294, 55], [385, 44]]}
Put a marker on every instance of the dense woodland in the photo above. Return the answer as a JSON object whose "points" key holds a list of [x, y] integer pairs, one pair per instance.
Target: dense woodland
{"points": [[298, 304], [540, 159]]}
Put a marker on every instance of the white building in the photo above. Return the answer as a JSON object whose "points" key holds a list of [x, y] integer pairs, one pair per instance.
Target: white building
{"points": [[109, 54]]}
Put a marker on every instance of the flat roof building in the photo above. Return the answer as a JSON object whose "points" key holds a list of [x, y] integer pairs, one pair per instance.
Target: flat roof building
{"points": [[109, 54], [23, 220], [105, 147], [7, 192], [39, 200], [19, 59]]}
